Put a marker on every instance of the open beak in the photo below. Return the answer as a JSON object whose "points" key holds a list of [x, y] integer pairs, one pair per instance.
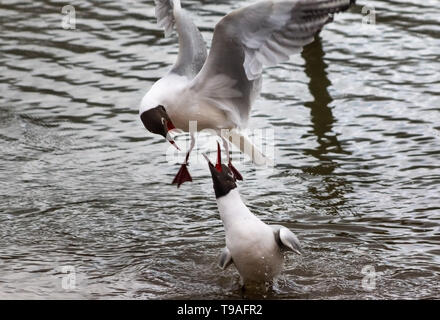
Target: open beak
{"points": [[170, 140], [207, 159], [218, 165], [168, 127]]}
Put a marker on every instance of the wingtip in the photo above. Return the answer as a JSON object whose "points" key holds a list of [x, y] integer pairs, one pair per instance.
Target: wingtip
{"points": [[176, 4]]}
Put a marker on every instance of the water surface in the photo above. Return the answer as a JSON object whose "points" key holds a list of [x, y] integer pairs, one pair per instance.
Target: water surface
{"points": [[356, 121]]}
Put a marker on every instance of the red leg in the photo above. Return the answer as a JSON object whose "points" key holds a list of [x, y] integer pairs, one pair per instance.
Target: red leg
{"points": [[183, 174]]}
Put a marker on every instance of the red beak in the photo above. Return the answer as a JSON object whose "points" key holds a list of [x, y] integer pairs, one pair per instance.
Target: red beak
{"points": [[174, 144], [170, 126], [218, 165]]}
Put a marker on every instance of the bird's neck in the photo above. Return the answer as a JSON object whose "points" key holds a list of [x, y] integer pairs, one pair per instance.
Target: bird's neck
{"points": [[232, 208]]}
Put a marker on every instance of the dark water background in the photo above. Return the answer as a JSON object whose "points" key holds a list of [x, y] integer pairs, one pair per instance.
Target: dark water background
{"points": [[357, 152]]}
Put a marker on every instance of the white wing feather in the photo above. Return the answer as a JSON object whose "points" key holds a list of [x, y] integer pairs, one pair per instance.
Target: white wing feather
{"points": [[164, 14], [265, 33], [286, 238], [192, 47]]}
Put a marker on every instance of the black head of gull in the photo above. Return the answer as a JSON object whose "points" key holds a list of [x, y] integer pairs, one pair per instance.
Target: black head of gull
{"points": [[255, 248], [222, 176], [157, 121], [223, 180]]}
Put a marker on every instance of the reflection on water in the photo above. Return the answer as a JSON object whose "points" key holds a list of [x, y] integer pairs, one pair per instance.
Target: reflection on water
{"points": [[320, 112], [332, 188], [84, 188]]}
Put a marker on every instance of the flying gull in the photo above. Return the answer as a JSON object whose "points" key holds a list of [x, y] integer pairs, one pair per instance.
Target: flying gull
{"points": [[218, 90]]}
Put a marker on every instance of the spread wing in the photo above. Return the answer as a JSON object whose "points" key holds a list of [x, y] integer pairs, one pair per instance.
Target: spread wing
{"points": [[225, 259], [265, 33], [286, 239], [192, 47]]}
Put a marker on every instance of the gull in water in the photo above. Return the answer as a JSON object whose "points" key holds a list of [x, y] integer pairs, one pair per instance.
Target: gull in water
{"points": [[255, 248], [217, 90]]}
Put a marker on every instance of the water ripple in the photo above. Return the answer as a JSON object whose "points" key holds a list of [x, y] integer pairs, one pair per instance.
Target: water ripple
{"points": [[357, 172]]}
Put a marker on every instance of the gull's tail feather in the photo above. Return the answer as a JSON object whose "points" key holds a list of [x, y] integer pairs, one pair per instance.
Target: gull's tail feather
{"points": [[239, 140]]}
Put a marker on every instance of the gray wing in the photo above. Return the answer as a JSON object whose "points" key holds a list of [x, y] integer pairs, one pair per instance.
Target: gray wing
{"points": [[265, 33], [225, 259], [165, 16], [192, 47], [286, 239]]}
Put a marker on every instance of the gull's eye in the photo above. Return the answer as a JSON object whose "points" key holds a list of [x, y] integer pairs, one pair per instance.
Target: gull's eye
{"points": [[163, 120]]}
